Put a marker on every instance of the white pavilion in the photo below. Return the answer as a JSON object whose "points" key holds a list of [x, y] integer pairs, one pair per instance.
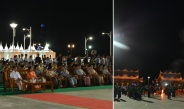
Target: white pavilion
{"points": [[8, 52]]}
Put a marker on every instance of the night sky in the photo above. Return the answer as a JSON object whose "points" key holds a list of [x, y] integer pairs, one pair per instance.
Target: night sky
{"points": [[152, 36], [63, 22]]}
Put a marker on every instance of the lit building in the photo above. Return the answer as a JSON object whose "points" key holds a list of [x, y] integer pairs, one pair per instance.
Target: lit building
{"points": [[7, 52], [166, 78], [127, 77]]}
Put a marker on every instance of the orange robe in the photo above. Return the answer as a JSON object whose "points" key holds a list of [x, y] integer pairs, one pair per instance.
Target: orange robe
{"points": [[31, 74]]}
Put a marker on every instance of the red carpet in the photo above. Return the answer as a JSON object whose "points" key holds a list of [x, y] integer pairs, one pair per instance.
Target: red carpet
{"points": [[71, 100]]}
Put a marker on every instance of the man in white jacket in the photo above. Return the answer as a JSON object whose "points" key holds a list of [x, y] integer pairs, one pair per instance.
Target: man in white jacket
{"points": [[18, 79]]}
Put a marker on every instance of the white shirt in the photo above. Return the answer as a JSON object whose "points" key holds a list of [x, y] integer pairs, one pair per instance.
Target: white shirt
{"points": [[15, 75], [48, 61], [55, 60], [12, 59], [105, 71], [26, 59], [97, 60], [31, 60], [19, 60], [103, 61], [80, 72]]}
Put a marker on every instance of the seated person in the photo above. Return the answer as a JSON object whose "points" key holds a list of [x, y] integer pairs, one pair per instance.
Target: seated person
{"points": [[17, 77], [55, 67], [1, 66], [100, 67], [93, 72], [38, 70], [81, 73], [32, 75], [107, 73], [105, 70], [56, 79], [65, 72]]}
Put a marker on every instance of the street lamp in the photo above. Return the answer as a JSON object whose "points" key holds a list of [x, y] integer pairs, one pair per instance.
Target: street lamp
{"points": [[71, 46], [13, 25], [86, 39], [109, 34], [148, 80], [90, 47], [29, 30]]}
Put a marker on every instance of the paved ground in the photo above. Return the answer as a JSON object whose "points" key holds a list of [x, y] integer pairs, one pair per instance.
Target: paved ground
{"points": [[103, 94], [155, 102], [15, 102]]}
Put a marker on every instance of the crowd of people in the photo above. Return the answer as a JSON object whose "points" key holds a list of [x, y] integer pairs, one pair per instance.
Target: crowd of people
{"points": [[59, 68], [136, 91]]}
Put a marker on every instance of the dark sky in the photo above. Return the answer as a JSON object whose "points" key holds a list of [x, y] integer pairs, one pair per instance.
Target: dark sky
{"points": [[152, 32], [66, 21]]}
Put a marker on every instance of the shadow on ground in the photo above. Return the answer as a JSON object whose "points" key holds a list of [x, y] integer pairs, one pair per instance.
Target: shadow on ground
{"points": [[177, 100], [119, 100], [147, 101], [143, 100]]}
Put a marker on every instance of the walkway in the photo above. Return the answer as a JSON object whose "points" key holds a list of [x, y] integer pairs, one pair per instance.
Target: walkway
{"points": [[155, 102], [76, 99]]}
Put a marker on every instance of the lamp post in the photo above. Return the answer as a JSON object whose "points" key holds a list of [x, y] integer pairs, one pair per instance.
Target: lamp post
{"points": [[86, 39], [13, 25], [109, 34], [25, 39], [71, 46], [148, 80], [29, 30]]}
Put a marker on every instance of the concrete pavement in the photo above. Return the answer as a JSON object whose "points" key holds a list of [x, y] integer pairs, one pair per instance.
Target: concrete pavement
{"points": [[155, 102]]}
